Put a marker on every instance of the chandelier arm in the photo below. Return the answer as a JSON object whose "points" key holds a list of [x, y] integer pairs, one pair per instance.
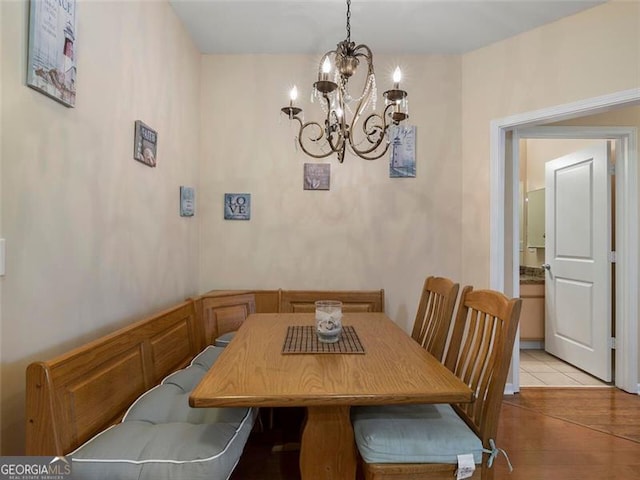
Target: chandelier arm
{"points": [[364, 155], [336, 128], [370, 130], [374, 134], [368, 55], [303, 127]]}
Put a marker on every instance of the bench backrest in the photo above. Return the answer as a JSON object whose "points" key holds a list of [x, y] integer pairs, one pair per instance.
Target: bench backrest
{"points": [[352, 301], [223, 312], [76, 395]]}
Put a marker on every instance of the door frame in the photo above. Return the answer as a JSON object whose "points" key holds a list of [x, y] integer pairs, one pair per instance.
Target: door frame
{"points": [[504, 255]]}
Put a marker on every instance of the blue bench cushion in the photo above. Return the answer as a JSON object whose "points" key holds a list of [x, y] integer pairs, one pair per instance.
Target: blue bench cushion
{"points": [[187, 378], [413, 434], [207, 357], [223, 340], [169, 403], [169, 451]]}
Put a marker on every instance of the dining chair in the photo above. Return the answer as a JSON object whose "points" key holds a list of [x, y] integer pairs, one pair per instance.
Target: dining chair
{"points": [[413, 442], [435, 314]]}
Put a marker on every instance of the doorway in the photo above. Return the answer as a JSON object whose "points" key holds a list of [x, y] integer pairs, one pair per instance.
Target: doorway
{"points": [[565, 274], [504, 228]]}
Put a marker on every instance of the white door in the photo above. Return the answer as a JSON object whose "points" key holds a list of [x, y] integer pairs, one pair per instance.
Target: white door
{"points": [[577, 283]]}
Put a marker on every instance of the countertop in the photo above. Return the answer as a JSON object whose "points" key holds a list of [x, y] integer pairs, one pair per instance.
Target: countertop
{"points": [[531, 275]]}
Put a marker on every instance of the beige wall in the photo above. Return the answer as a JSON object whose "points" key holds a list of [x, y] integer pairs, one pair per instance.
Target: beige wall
{"points": [[590, 54], [94, 238], [593, 53], [369, 231]]}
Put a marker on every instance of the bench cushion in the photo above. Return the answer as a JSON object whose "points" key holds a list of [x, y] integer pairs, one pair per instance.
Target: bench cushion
{"points": [[224, 339], [413, 434], [207, 357], [139, 450], [169, 403], [187, 378]]}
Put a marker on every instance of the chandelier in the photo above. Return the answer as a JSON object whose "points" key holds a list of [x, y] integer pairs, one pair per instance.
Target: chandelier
{"points": [[347, 123]]}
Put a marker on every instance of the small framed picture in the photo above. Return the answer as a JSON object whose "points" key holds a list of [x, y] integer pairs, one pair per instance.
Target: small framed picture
{"points": [[145, 144], [402, 160], [187, 201], [237, 206], [317, 176]]}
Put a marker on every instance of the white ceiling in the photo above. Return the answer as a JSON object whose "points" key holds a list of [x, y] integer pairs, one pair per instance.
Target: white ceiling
{"points": [[392, 27]]}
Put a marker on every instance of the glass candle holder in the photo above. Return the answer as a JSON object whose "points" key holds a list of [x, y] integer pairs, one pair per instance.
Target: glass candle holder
{"points": [[328, 320]]}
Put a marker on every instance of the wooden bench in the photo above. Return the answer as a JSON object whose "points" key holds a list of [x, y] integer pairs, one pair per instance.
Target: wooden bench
{"points": [[80, 393], [102, 388]]}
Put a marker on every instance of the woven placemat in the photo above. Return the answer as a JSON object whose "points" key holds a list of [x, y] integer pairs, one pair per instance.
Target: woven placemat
{"points": [[303, 339]]}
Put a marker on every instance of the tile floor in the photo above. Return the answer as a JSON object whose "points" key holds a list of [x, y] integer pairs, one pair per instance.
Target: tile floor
{"points": [[540, 369]]}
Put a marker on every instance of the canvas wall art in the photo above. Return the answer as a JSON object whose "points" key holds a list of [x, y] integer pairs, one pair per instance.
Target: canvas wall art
{"points": [[237, 206], [402, 160], [187, 201], [317, 176], [145, 144], [52, 49]]}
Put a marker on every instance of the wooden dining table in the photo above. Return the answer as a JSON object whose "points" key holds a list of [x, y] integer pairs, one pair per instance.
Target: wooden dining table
{"points": [[253, 371]]}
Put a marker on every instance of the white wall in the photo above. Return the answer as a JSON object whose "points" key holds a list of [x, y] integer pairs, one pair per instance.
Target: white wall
{"points": [[369, 231], [94, 238]]}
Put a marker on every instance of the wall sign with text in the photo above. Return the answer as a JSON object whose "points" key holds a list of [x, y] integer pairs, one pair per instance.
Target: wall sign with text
{"points": [[237, 206]]}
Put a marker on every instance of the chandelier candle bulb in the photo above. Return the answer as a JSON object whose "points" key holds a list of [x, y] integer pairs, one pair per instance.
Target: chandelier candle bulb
{"points": [[397, 76], [326, 69], [293, 95]]}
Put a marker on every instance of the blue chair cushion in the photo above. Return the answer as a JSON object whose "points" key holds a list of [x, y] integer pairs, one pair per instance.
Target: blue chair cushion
{"points": [[137, 450], [413, 434], [223, 340]]}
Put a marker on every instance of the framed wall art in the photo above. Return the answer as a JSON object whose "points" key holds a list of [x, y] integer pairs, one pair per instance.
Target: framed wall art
{"points": [[317, 176], [402, 160], [52, 49], [145, 144], [237, 206], [187, 201]]}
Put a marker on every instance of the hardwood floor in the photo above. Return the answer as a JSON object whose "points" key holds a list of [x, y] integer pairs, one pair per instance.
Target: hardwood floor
{"points": [[549, 434], [547, 447], [608, 410]]}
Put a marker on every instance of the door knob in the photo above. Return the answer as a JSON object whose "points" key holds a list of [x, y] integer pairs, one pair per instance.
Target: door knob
{"points": [[546, 266]]}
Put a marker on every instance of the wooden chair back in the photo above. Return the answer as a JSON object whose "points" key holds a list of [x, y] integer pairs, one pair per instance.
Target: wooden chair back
{"points": [[435, 313], [480, 354]]}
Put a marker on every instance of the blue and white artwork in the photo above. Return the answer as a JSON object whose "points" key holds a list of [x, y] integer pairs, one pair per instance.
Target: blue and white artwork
{"points": [[237, 206], [52, 49], [402, 160], [187, 201]]}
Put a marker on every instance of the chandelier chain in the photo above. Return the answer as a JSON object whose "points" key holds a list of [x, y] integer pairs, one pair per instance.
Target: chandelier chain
{"points": [[348, 21]]}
